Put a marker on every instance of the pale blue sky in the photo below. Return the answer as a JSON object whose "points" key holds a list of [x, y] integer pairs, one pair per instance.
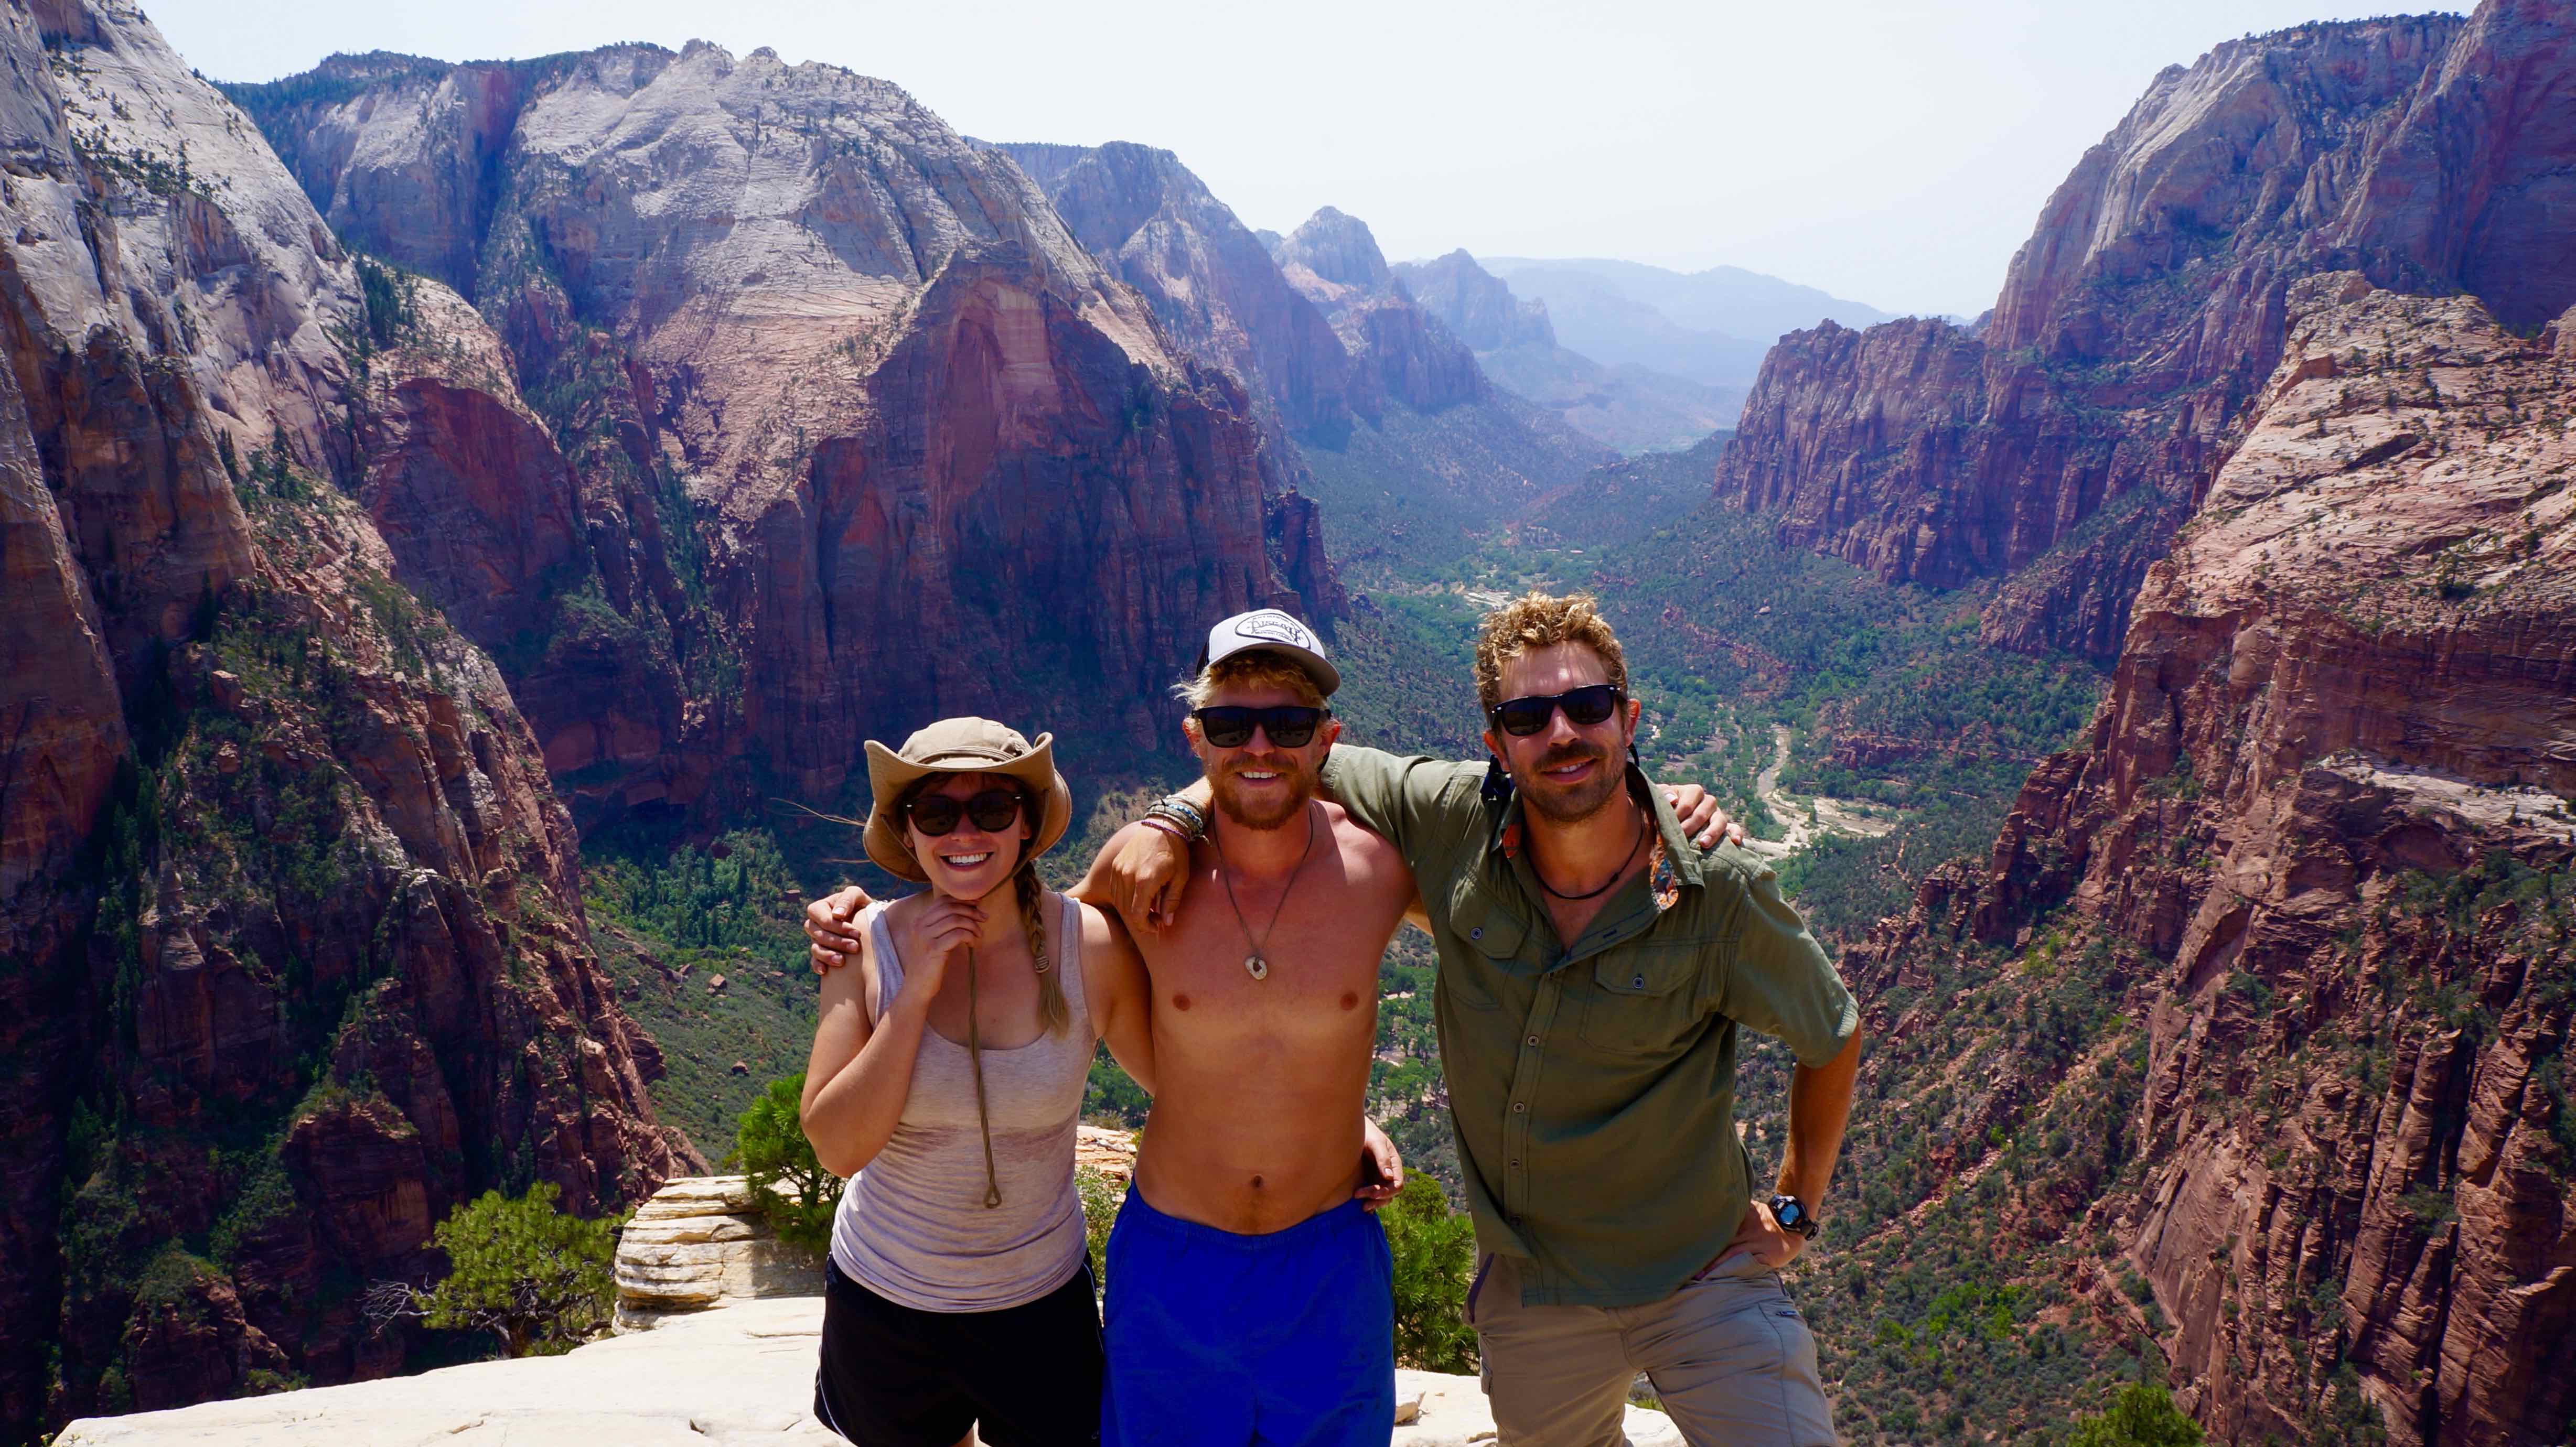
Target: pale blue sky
{"points": [[1894, 153]]}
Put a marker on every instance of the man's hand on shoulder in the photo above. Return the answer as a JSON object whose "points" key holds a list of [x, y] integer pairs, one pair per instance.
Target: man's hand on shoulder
{"points": [[832, 941], [1140, 874], [1703, 823]]}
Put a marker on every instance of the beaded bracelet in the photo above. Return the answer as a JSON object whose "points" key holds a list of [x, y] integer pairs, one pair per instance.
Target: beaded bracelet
{"points": [[1180, 811]]}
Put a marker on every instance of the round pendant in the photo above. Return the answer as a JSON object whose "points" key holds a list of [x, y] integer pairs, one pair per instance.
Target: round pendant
{"points": [[1257, 967]]}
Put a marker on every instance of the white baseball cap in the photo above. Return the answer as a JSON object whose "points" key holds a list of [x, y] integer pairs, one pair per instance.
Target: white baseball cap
{"points": [[1272, 631]]}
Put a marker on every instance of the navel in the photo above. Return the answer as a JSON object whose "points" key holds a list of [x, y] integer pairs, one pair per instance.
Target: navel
{"points": [[1180, 1002], [1350, 1000], [1256, 1183]]}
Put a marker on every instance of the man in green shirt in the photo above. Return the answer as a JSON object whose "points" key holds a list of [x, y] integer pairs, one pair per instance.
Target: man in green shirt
{"points": [[1593, 972]]}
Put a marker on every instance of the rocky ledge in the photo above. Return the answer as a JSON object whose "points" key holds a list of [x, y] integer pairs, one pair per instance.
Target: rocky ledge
{"points": [[738, 1373], [717, 1327]]}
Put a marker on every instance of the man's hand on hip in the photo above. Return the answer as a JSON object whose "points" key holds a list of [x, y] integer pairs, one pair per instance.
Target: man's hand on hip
{"points": [[1760, 1234]]}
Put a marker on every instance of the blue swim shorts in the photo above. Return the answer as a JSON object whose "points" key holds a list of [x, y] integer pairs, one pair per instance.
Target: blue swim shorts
{"points": [[1220, 1340]]}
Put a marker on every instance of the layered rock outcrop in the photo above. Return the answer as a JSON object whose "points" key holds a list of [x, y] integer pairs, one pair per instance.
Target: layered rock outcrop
{"points": [[292, 915], [2318, 850], [2060, 443], [828, 379]]}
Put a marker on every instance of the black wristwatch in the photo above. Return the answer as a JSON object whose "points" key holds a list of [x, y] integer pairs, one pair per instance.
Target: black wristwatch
{"points": [[1793, 1215]]}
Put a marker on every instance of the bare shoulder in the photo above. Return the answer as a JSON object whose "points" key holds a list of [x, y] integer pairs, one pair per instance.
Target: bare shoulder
{"points": [[1375, 851]]}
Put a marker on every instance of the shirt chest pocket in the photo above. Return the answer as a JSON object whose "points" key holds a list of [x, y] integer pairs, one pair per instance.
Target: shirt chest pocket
{"points": [[1494, 937], [1646, 999]]}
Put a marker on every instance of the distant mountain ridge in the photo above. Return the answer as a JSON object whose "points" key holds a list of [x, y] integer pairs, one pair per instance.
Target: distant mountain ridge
{"points": [[1631, 407], [1710, 326]]}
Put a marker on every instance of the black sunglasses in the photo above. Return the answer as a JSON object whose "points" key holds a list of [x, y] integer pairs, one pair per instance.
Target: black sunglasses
{"points": [[1290, 726], [1584, 707], [992, 810]]}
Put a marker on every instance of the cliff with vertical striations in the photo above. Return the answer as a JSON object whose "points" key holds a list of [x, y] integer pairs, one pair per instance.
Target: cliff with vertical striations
{"points": [[293, 918], [2309, 882], [2058, 444], [826, 379]]}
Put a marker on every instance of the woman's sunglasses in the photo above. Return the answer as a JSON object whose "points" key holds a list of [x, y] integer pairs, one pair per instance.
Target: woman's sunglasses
{"points": [[992, 810], [1290, 726], [1584, 707]]}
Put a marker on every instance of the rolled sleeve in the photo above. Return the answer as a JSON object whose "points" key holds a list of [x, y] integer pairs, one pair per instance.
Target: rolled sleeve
{"points": [[1776, 978], [1425, 806]]}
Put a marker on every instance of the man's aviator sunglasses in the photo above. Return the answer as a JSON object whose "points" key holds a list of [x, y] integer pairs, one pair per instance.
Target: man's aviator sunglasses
{"points": [[993, 811], [1290, 726], [1584, 707]]}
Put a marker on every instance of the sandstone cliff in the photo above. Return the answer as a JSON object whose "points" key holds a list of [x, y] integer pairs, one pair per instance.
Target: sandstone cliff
{"points": [[1372, 406], [2264, 999], [826, 379], [2059, 444], [293, 920]]}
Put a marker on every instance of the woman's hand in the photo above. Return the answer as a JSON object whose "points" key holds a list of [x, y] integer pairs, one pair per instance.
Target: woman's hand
{"points": [[932, 938], [1381, 1168], [834, 941]]}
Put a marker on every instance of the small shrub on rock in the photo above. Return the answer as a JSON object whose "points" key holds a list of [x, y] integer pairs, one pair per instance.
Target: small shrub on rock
{"points": [[1435, 1255], [791, 1185]]}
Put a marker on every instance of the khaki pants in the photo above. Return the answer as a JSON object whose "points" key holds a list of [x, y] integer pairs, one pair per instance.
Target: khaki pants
{"points": [[1729, 1354]]}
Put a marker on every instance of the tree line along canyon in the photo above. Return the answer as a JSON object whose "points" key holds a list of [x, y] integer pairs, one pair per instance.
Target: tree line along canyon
{"points": [[449, 512]]}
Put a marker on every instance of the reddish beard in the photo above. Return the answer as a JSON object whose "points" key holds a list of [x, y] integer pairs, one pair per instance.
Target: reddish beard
{"points": [[1263, 814], [1568, 804]]}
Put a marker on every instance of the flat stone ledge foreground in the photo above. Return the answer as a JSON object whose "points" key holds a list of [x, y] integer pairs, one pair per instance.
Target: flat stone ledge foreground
{"points": [[736, 1374]]}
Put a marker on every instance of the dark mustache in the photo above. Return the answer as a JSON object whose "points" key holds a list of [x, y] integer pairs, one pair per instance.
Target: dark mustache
{"points": [[1268, 766], [1572, 753]]}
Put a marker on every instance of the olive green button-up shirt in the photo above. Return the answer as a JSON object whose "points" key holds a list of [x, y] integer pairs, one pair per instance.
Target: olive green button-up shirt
{"points": [[1592, 1085]]}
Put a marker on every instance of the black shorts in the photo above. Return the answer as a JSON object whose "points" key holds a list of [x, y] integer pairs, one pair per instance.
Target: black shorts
{"points": [[896, 1376]]}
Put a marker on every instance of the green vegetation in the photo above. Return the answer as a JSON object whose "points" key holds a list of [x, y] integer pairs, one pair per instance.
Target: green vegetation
{"points": [[2140, 1416], [792, 1187], [669, 918], [535, 1277], [1100, 1200], [1435, 1257]]}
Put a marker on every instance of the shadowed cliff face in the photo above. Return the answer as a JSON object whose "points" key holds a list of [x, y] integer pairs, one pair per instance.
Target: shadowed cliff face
{"points": [[2318, 848], [2060, 443], [825, 380], [293, 922]]}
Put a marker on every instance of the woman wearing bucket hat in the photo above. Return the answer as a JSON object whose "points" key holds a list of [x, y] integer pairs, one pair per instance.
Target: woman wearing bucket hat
{"points": [[946, 1079]]}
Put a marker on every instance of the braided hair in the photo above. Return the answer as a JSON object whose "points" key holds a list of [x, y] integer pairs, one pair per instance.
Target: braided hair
{"points": [[1051, 1007]]}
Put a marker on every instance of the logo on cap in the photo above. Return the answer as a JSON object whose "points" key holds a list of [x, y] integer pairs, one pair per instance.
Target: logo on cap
{"points": [[1276, 626]]}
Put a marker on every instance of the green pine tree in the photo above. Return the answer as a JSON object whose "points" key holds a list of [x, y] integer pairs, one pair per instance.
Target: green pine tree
{"points": [[791, 1185], [1435, 1254], [2140, 1416], [539, 1279]]}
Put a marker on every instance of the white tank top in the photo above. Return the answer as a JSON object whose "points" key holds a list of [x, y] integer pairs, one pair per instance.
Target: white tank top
{"points": [[912, 1226]]}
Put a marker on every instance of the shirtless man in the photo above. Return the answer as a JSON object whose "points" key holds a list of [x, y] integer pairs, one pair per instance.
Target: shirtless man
{"points": [[1250, 1298]]}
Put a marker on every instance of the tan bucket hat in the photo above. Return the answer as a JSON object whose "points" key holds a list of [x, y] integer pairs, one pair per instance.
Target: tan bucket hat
{"points": [[960, 746]]}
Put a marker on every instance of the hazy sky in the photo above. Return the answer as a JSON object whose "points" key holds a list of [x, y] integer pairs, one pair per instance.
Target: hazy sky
{"points": [[1893, 152]]}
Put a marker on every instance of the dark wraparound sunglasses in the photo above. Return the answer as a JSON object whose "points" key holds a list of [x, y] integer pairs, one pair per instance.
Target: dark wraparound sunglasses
{"points": [[1290, 726], [992, 810], [1584, 707]]}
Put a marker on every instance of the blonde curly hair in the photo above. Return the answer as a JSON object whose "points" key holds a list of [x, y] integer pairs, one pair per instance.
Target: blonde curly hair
{"points": [[1535, 620]]}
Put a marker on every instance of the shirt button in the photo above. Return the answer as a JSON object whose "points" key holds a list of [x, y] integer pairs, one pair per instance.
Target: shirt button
{"points": [[1476, 934], [1518, 1106], [1638, 983], [1533, 1040], [1516, 1165]]}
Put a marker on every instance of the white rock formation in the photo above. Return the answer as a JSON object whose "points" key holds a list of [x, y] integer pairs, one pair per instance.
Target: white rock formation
{"points": [[702, 1243]]}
